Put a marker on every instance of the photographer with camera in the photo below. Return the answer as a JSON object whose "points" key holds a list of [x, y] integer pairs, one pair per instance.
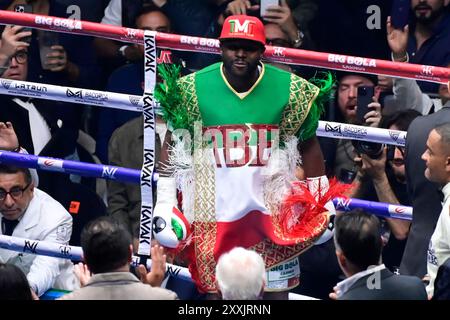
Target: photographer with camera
{"points": [[381, 177], [354, 109]]}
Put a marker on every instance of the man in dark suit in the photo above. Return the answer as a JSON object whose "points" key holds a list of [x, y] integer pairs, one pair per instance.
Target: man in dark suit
{"points": [[425, 195], [358, 244], [44, 128]]}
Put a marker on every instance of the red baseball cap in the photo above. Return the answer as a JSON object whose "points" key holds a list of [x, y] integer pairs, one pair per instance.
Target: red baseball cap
{"points": [[243, 27]]}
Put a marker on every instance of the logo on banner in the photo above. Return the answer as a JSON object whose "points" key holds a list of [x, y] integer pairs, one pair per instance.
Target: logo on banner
{"points": [[68, 24], [76, 94], [173, 271], [147, 170], [212, 43], [30, 246], [51, 164], [399, 210], [427, 70], [279, 52], [355, 131], [394, 135], [165, 56], [65, 251], [6, 84], [357, 61], [146, 224], [109, 172], [134, 100], [131, 33], [343, 203], [149, 115], [330, 128], [96, 96], [30, 87], [150, 54]]}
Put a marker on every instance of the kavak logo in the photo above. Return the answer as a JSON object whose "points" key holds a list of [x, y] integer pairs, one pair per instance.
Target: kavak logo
{"points": [[330, 128], [237, 27], [6, 84], [76, 94]]}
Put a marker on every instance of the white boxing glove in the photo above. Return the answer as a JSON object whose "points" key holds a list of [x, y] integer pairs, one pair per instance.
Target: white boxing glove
{"points": [[320, 185], [169, 224]]}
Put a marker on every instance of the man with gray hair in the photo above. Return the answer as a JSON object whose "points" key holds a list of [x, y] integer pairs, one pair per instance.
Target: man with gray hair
{"points": [[241, 275], [437, 160]]}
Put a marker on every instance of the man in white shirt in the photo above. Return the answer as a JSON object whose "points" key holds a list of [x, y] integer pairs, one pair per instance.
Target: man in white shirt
{"points": [[27, 212], [437, 159]]}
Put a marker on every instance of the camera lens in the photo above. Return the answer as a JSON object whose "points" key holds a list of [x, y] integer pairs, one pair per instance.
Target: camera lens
{"points": [[372, 149]]}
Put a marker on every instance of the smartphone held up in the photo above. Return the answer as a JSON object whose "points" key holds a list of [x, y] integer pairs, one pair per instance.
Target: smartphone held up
{"points": [[264, 4]]}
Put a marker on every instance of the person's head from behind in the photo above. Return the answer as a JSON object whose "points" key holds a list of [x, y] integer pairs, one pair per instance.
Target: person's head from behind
{"points": [[107, 246], [399, 120], [428, 11], [242, 42], [13, 283], [241, 275], [16, 191], [357, 237], [347, 93], [437, 155]]}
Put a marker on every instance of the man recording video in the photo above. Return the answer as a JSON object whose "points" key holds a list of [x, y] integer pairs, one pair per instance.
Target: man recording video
{"points": [[381, 177], [350, 108]]}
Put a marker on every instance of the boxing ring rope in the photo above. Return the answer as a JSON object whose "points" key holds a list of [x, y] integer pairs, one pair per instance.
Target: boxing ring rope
{"points": [[98, 98], [72, 167], [207, 45], [135, 103]]}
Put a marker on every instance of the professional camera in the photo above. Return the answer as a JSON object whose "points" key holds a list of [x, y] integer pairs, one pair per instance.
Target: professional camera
{"points": [[372, 149]]}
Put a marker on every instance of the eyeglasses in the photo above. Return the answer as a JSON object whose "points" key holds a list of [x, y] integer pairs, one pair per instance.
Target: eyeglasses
{"points": [[278, 42], [16, 192], [20, 56]]}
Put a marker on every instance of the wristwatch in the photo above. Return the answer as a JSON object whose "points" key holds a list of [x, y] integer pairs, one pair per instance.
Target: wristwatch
{"points": [[299, 40]]}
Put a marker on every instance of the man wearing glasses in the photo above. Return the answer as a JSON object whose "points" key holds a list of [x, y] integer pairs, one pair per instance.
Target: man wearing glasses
{"points": [[43, 127], [27, 212]]}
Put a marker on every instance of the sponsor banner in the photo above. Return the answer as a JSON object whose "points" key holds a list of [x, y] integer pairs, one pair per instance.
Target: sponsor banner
{"points": [[73, 167], [148, 167], [45, 248], [198, 44], [70, 94], [381, 209], [50, 164], [23, 88], [353, 132], [398, 210]]}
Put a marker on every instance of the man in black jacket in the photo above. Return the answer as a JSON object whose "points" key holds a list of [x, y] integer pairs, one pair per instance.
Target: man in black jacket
{"points": [[426, 196], [358, 249]]}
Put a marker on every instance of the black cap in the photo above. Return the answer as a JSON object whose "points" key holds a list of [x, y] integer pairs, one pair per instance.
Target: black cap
{"points": [[341, 74]]}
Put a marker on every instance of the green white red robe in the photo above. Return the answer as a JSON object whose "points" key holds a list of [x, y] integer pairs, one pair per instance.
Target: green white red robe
{"points": [[229, 203]]}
